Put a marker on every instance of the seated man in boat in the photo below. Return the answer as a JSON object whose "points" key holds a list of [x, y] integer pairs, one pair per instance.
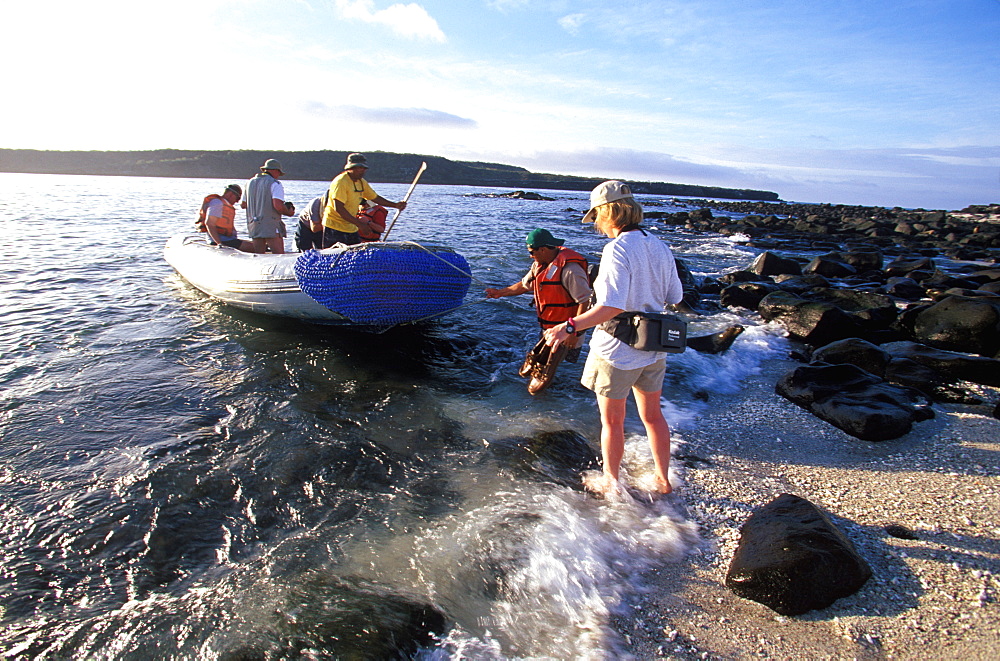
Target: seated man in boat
{"points": [[265, 205], [309, 233], [558, 279], [347, 192], [219, 216]]}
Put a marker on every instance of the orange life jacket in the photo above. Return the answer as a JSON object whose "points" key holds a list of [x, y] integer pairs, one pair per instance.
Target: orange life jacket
{"points": [[552, 300], [374, 215], [226, 226]]}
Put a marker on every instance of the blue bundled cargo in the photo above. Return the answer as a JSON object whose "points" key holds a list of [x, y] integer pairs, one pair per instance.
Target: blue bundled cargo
{"points": [[385, 284]]}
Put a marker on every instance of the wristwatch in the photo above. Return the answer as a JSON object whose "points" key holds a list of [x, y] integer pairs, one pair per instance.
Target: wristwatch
{"points": [[570, 326]]}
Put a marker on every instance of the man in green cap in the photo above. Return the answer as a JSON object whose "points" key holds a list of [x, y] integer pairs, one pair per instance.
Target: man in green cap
{"points": [[558, 280]]}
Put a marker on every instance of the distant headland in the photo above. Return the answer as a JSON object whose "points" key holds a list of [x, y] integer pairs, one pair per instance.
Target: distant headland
{"points": [[387, 167]]}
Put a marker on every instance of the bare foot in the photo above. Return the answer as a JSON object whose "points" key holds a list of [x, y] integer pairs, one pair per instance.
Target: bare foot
{"points": [[662, 486], [599, 483], [655, 484]]}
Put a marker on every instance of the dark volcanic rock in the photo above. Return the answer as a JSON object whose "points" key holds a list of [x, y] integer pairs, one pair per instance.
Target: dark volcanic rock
{"points": [[555, 456], [853, 351], [768, 263], [862, 260], [952, 364], [689, 285], [830, 266], [900, 532], [813, 322], [742, 276], [800, 284], [957, 323], [522, 195], [870, 309], [901, 370], [905, 288], [916, 269], [746, 294], [934, 384], [351, 619], [855, 401], [793, 559]]}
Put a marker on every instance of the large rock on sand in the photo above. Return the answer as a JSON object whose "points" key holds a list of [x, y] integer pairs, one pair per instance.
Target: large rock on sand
{"points": [[958, 323], [853, 351], [933, 375], [793, 559], [813, 322], [953, 365], [855, 401]]}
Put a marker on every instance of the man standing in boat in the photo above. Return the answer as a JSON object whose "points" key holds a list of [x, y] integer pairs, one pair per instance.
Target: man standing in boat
{"points": [[219, 219], [558, 279], [265, 205], [348, 190]]}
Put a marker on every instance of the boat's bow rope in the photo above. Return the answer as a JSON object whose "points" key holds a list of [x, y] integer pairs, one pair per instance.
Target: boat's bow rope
{"points": [[430, 252]]}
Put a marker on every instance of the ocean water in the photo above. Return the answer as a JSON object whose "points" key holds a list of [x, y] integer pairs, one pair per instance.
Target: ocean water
{"points": [[179, 479]]}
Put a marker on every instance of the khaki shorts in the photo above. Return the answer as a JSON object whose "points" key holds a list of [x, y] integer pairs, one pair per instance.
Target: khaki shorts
{"points": [[265, 228], [608, 381]]}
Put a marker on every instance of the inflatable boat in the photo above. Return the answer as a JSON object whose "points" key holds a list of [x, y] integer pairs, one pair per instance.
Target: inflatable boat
{"points": [[379, 284]]}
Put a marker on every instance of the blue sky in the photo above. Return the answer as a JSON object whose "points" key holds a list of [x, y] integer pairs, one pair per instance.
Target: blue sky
{"points": [[880, 103]]}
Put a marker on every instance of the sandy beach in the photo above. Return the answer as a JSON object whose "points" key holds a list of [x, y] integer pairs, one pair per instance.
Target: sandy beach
{"points": [[933, 597]]}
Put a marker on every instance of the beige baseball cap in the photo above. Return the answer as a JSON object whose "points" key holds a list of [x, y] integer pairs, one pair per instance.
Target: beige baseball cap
{"points": [[609, 191]]}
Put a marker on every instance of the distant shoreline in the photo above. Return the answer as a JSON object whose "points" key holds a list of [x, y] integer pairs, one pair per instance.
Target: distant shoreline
{"points": [[387, 167]]}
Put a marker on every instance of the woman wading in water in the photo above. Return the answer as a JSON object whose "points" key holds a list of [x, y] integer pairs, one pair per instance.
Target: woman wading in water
{"points": [[637, 273]]}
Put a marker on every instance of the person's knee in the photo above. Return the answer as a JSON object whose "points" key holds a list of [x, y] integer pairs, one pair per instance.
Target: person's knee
{"points": [[651, 414], [613, 417]]}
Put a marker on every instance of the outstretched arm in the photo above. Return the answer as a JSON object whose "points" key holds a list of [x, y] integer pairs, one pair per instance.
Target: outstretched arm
{"points": [[386, 203], [510, 290]]}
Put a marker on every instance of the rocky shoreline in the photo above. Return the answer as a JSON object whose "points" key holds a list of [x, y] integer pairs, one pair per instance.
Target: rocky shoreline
{"points": [[920, 503], [922, 511], [970, 234]]}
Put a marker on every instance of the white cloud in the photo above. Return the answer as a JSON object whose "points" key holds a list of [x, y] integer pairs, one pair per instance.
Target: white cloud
{"points": [[572, 22], [410, 20], [422, 117], [628, 163], [504, 5]]}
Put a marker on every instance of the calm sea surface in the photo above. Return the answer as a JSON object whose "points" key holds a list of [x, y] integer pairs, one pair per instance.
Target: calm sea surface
{"points": [[183, 480]]}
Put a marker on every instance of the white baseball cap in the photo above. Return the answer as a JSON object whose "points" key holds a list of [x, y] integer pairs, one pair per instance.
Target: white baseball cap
{"points": [[609, 191]]}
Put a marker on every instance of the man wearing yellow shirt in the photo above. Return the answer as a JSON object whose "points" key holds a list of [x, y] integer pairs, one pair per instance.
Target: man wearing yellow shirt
{"points": [[347, 191]]}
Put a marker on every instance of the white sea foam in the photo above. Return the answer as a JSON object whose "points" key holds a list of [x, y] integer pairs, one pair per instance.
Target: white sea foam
{"points": [[556, 564], [696, 380]]}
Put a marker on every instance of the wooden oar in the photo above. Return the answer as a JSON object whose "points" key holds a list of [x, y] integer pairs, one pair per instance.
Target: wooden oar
{"points": [[423, 166]]}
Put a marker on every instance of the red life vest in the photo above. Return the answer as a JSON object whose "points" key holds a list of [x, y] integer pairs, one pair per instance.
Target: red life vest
{"points": [[552, 300], [227, 225], [374, 215]]}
